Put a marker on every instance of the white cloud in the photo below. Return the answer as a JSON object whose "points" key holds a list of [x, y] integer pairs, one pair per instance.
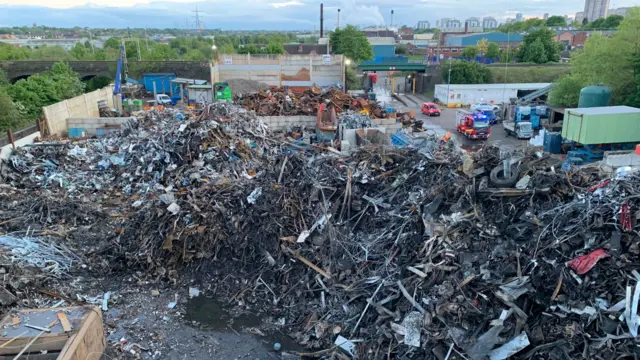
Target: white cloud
{"points": [[285, 4], [66, 4]]}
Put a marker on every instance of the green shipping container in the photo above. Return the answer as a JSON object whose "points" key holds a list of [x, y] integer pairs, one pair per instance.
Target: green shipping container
{"points": [[602, 125]]}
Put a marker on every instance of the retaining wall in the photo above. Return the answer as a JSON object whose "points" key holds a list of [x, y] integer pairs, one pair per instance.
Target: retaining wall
{"points": [[83, 106], [281, 70], [278, 123], [90, 125]]}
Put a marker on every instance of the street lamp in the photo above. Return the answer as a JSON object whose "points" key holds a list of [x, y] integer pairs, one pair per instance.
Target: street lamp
{"points": [[449, 84], [347, 62], [214, 68]]}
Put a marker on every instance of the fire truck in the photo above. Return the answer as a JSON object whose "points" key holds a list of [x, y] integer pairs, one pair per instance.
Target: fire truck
{"points": [[473, 125]]}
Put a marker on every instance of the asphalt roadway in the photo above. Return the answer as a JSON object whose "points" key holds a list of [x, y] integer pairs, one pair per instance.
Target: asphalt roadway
{"points": [[447, 122]]}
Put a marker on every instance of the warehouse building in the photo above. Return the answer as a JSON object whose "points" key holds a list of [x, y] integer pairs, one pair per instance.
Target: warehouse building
{"points": [[472, 39], [465, 94]]}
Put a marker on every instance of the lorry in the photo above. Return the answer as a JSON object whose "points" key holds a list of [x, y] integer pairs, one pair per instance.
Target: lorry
{"points": [[521, 129], [473, 125]]}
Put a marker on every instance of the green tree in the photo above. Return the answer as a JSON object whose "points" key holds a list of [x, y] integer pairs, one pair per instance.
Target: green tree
{"points": [[585, 21], [464, 72], [610, 61], [79, 52], [112, 43], [493, 51], [535, 53], [275, 48], [535, 42], [401, 49], [470, 52], [10, 116], [46, 88], [566, 91], [556, 20], [226, 49], [352, 43]]}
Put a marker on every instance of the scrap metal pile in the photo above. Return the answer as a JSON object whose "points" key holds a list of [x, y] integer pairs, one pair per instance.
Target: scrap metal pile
{"points": [[277, 102], [384, 253]]}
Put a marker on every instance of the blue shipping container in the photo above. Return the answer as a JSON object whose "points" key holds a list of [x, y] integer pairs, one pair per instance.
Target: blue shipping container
{"points": [[162, 81]]}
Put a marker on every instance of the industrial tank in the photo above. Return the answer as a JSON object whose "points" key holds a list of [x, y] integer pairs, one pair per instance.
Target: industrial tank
{"points": [[594, 96]]}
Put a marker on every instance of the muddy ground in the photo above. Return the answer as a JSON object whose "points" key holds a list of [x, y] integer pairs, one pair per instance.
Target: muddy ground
{"points": [[141, 322]]}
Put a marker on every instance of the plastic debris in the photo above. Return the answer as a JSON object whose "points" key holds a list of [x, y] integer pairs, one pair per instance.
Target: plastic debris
{"points": [[255, 194], [582, 264]]}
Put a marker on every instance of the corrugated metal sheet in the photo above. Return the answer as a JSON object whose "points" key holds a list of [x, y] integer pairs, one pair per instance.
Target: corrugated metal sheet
{"points": [[602, 125]]}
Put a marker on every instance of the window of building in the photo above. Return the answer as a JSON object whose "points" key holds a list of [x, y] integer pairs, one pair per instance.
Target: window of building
{"points": [[454, 50]]}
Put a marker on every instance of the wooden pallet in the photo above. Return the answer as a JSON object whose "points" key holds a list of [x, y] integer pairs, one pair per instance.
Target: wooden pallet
{"points": [[84, 341]]}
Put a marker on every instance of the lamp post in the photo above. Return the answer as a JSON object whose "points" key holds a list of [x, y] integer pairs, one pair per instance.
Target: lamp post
{"points": [[347, 62], [214, 67], [449, 84]]}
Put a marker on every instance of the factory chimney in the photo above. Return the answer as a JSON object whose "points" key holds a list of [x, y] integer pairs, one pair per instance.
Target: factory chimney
{"points": [[321, 20], [338, 27], [391, 25]]}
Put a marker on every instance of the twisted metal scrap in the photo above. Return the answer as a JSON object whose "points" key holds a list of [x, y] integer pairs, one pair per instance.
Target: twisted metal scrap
{"points": [[40, 253]]}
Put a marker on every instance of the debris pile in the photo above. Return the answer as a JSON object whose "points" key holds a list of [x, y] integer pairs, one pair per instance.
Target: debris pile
{"points": [[278, 101], [243, 86], [385, 253]]}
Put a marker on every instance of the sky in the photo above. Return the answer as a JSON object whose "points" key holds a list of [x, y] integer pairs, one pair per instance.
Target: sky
{"points": [[268, 14]]}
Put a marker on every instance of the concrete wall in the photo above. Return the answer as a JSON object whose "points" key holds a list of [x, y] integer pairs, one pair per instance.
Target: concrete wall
{"points": [[281, 70], [6, 150], [278, 123], [90, 125], [83, 106]]}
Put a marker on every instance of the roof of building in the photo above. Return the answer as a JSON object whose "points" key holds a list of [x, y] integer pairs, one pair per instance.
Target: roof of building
{"points": [[427, 36], [605, 110], [202, 87], [379, 33], [381, 41], [522, 86]]}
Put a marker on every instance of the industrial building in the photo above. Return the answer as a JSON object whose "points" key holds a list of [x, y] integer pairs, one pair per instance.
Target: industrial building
{"points": [[423, 25], [595, 9], [464, 95], [383, 46], [500, 38], [489, 22]]}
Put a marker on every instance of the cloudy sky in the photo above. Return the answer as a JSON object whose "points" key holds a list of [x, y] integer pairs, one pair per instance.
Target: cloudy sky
{"points": [[267, 14]]}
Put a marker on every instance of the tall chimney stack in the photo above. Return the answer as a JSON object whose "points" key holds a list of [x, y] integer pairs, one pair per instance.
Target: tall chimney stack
{"points": [[391, 25], [321, 20], [338, 27]]}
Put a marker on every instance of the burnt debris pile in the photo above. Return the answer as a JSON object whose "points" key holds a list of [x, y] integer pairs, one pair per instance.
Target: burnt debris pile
{"points": [[408, 253]]}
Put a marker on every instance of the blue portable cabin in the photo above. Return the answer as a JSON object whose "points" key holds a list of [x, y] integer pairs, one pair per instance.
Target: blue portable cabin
{"points": [[162, 81]]}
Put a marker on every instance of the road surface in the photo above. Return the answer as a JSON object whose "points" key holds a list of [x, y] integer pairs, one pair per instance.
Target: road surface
{"points": [[447, 122]]}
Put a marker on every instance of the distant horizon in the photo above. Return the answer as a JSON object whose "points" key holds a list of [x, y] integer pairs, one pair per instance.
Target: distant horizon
{"points": [[266, 15]]}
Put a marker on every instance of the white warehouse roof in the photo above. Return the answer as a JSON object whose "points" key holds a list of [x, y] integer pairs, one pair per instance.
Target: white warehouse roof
{"points": [[521, 86]]}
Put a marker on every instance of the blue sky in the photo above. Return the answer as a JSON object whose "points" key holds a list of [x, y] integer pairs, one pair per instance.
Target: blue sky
{"points": [[267, 14]]}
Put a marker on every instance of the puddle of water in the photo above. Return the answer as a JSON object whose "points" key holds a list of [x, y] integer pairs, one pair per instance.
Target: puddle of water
{"points": [[214, 315]]}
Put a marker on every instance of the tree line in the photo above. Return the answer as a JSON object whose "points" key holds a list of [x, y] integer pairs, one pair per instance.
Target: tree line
{"points": [[613, 61], [21, 103], [181, 48]]}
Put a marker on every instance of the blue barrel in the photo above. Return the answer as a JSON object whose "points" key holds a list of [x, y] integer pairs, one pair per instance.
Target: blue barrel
{"points": [[552, 142]]}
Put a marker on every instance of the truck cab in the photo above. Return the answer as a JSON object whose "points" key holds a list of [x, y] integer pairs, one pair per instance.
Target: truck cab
{"points": [[163, 99], [519, 129], [473, 125]]}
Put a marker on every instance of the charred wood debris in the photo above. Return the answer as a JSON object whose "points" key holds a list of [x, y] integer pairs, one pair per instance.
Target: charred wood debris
{"points": [[403, 253]]}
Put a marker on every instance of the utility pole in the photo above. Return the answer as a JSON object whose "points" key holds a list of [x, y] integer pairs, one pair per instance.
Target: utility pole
{"points": [[146, 38], [197, 20]]}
